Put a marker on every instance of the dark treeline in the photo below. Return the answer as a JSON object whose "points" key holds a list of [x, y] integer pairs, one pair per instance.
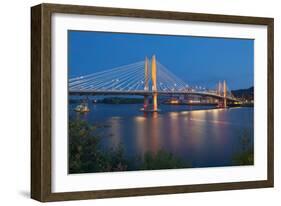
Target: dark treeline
{"points": [[121, 100]]}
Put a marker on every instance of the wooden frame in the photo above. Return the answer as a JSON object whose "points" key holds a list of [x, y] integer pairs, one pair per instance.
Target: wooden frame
{"points": [[41, 102]]}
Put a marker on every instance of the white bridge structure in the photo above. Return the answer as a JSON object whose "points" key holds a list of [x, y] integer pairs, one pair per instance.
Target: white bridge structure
{"points": [[146, 78]]}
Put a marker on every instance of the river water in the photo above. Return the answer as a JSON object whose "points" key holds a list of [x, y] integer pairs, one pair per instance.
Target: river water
{"points": [[202, 135]]}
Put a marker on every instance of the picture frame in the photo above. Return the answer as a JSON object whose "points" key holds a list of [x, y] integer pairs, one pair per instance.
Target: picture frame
{"points": [[41, 101]]}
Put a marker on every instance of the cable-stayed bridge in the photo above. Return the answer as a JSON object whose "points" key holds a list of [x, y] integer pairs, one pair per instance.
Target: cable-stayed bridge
{"points": [[146, 78]]}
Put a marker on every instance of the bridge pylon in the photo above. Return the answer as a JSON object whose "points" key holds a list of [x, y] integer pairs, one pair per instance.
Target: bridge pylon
{"points": [[222, 92], [146, 86], [146, 75], [219, 88], [153, 72], [154, 82]]}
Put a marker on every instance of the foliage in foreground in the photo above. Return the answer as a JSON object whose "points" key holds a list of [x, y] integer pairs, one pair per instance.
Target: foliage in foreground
{"points": [[86, 154], [161, 160], [246, 156]]}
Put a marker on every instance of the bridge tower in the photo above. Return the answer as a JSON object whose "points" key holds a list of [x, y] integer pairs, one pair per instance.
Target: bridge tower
{"points": [[224, 94], [219, 88], [146, 87], [154, 82]]}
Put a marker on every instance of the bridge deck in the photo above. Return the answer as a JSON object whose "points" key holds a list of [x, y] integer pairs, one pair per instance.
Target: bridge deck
{"points": [[148, 93]]}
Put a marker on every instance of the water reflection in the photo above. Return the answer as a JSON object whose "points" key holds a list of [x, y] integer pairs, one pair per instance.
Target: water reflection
{"points": [[141, 134], [154, 133], [115, 131], [203, 137], [174, 129]]}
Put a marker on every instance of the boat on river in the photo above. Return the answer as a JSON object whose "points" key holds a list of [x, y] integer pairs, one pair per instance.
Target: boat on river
{"points": [[149, 110], [82, 108]]}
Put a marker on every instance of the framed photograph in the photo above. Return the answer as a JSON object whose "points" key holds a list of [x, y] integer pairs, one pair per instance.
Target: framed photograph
{"points": [[130, 102]]}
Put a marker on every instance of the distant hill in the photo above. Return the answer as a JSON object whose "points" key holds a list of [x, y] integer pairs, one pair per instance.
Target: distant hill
{"points": [[244, 93]]}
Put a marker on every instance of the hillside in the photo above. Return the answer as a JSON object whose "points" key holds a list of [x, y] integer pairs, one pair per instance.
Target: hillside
{"points": [[244, 93]]}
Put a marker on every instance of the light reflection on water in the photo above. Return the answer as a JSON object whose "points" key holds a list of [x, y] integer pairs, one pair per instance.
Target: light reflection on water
{"points": [[202, 137]]}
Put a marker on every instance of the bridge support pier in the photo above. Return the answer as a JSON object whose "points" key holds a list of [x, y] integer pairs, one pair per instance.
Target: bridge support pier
{"points": [[155, 105], [224, 103], [145, 103]]}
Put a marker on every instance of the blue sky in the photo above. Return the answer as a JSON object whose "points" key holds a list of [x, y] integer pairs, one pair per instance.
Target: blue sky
{"points": [[196, 60]]}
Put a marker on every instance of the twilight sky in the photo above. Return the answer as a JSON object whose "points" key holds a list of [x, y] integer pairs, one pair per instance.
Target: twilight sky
{"points": [[198, 61]]}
